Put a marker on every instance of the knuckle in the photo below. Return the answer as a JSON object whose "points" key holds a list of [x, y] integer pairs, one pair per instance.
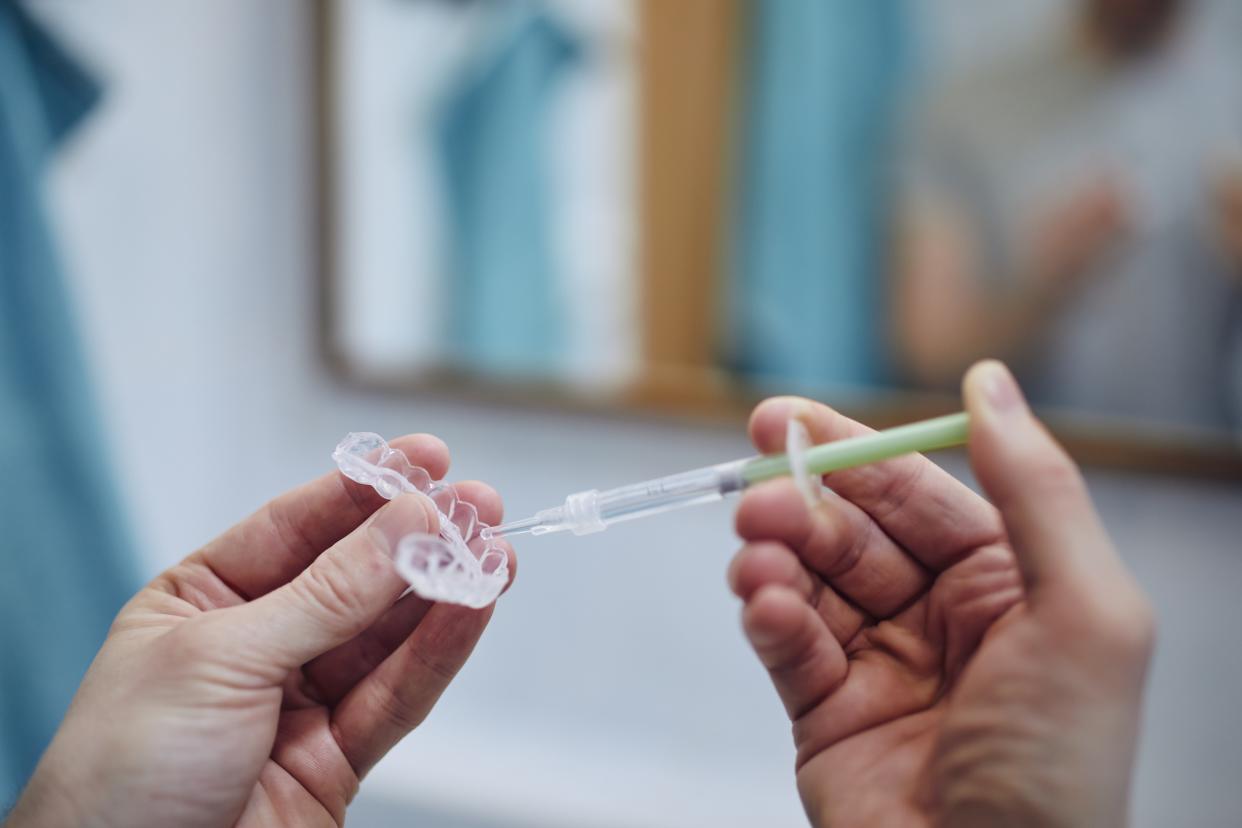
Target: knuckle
{"points": [[1137, 637], [753, 519], [398, 712], [738, 574], [1051, 471], [1125, 623], [838, 542], [1147, 630], [897, 489], [441, 668], [758, 563], [743, 515], [327, 588], [790, 659], [196, 639], [733, 572], [767, 549]]}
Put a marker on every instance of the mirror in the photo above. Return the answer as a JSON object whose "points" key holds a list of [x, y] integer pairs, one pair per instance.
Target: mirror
{"points": [[683, 207]]}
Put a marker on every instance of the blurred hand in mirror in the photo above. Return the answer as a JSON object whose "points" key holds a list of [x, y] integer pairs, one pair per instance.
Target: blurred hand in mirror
{"points": [[945, 313], [1051, 212], [1071, 236], [1228, 215], [945, 659]]}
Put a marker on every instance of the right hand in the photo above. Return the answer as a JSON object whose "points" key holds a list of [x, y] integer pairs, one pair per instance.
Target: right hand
{"points": [[944, 660]]}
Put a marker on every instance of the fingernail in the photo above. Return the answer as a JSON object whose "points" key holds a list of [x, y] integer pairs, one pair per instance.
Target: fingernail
{"points": [[1000, 390], [404, 515], [763, 637]]}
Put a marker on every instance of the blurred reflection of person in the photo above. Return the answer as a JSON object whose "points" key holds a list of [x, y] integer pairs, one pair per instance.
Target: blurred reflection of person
{"points": [[1075, 204]]}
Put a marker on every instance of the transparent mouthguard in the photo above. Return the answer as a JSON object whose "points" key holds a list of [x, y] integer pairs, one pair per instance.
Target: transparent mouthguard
{"points": [[460, 566]]}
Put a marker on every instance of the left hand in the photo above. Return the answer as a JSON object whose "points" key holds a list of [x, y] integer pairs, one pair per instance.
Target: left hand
{"points": [[257, 681]]}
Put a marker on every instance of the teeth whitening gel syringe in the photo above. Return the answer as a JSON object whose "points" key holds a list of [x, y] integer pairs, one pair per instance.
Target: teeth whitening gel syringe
{"points": [[593, 511]]}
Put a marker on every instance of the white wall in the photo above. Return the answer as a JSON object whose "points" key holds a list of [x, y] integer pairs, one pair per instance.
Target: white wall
{"points": [[613, 687]]}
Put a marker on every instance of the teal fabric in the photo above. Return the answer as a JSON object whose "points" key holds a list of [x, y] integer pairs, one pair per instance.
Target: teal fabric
{"points": [[819, 94], [506, 314], [63, 549]]}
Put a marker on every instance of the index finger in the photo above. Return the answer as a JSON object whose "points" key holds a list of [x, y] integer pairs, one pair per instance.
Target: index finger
{"points": [[919, 505], [273, 545]]}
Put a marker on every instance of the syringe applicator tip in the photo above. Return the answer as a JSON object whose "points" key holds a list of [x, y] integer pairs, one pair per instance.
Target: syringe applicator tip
{"points": [[580, 514]]}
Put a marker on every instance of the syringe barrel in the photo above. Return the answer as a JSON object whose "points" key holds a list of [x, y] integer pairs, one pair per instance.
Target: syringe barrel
{"points": [[673, 492]]}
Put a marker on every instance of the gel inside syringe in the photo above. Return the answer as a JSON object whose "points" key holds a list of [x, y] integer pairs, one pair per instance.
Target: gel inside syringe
{"points": [[594, 510]]}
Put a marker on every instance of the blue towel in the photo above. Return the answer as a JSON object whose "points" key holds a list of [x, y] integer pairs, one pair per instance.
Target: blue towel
{"points": [[819, 93], [506, 314], [64, 554]]}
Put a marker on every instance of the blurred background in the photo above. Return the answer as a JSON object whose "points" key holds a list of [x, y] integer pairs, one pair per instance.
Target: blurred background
{"points": [[576, 239]]}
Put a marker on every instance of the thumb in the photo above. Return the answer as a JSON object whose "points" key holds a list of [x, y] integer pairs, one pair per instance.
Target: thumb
{"points": [[1043, 501], [343, 592]]}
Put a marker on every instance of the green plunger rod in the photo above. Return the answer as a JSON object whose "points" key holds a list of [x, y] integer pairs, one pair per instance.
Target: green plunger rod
{"points": [[927, 435]]}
